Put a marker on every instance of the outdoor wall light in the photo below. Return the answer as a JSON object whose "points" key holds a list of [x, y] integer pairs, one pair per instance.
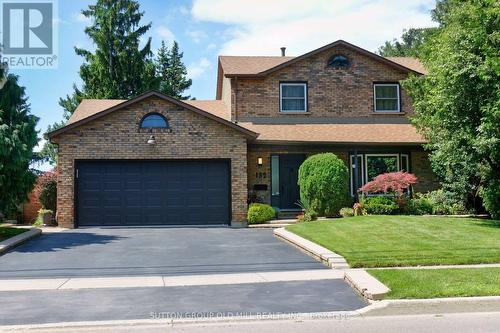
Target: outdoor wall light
{"points": [[259, 161], [151, 140]]}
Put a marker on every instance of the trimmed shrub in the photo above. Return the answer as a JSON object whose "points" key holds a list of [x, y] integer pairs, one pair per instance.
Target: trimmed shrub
{"points": [[260, 213], [380, 205], [323, 181], [346, 212]]}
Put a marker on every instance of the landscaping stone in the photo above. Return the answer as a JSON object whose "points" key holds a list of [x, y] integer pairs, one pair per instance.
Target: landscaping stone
{"points": [[331, 259], [368, 286]]}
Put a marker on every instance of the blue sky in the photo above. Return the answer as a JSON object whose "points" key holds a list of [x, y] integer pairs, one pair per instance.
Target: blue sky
{"points": [[207, 28]]}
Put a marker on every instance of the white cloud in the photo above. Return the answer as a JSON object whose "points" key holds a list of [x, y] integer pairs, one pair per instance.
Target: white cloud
{"points": [[262, 26], [196, 35], [195, 70], [165, 34]]}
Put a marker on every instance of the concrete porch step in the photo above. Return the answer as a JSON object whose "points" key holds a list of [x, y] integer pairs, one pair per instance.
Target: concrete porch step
{"points": [[288, 214]]}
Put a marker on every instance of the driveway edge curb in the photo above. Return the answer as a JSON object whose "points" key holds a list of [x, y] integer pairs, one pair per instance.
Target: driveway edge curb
{"points": [[359, 279], [331, 259], [17, 240]]}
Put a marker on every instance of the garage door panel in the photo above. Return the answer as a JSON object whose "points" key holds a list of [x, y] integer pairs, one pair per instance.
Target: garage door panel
{"points": [[152, 193]]}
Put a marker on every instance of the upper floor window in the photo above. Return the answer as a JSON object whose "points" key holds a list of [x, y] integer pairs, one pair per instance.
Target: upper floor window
{"points": [[154, 120], [386, 97], [338, 61], [293, 97]]}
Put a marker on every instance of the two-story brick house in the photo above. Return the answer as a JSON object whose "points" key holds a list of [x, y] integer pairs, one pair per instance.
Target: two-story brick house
{"points": [[156, 160]]}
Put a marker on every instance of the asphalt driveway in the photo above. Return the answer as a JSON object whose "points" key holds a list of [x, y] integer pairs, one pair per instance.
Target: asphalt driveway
{"points": [[92, 252]]}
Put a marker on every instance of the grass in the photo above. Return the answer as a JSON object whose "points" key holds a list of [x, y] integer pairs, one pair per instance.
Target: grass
{"points": [[6, 232], [432, 283], [387, 241]]}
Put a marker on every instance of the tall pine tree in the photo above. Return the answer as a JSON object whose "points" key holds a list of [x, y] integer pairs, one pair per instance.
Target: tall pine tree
{"points": [[18, 137], [171, 72], [118, 68]]}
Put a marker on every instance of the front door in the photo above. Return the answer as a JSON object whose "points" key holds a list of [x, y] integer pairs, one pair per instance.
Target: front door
{"points": [[289, 174]]}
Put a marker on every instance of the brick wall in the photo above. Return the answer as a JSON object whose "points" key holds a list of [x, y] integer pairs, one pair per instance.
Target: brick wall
{"points": [[117, 136], [331, 92], [421, 167]]}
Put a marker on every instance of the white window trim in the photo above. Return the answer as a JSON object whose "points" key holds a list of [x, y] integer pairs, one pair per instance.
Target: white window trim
{"points": [[366, 163], [304, 85], [375, 97], [362, 166]]}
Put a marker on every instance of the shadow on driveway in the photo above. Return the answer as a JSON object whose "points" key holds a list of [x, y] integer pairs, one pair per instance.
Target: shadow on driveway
{"points": [[65, 240]]}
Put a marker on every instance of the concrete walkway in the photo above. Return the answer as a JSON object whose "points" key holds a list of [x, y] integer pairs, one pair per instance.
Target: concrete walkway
{"points": [[166, 281]]}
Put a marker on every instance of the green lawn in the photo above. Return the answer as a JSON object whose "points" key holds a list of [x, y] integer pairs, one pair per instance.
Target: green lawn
{"points": [[432, 283], [6, 232], [384, 241]]}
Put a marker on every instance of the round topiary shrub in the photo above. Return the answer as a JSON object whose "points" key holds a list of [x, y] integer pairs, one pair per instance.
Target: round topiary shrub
{"points": [[323, 181], [260, 213]]}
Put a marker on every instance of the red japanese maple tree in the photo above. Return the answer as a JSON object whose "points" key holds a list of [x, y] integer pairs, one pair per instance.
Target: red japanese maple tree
{"points": [[393, 182]]}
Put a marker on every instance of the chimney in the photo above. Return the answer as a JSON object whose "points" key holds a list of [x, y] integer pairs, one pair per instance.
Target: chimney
{"points": [[283, 49]]}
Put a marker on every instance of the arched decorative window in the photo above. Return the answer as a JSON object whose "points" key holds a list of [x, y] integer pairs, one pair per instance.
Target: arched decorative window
{"points": [[338, 61], [153, 120]]}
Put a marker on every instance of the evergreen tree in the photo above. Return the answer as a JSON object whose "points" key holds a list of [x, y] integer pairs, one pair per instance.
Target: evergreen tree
{"points": [[18, 137], [118, 68], [171, 71]]}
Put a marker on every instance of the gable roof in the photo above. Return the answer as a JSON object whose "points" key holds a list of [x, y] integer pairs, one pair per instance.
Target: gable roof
{"points": [[260, 66], [91, 109], [244, 65], [413, 63], [257, 66]]}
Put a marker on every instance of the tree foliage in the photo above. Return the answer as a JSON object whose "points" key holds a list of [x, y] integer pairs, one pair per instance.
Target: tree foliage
{"points": [[18, 137], [171, 72], [46, 190], [457, 104], [411, 44], [390, 183], [118, 68]]}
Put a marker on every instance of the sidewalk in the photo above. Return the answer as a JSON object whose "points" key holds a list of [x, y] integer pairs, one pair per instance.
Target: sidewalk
{"points": [[166, 281]]}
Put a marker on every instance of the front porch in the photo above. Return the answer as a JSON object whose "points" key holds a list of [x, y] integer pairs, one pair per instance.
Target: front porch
{"points": [[273, 170]]}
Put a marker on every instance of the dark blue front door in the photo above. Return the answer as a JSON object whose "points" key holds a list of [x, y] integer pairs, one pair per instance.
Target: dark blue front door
{"points": [[289, 174]]}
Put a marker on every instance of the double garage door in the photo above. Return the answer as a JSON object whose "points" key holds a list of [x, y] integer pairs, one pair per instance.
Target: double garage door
{"points": [[135, 193]]}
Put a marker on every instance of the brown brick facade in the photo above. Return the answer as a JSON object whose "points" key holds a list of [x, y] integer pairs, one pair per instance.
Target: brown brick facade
{"points": [[117, 136], [261, 175], [421, 167], [331, 92]]}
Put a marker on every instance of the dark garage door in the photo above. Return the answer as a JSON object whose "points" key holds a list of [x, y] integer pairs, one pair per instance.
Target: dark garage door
{"points": [[121, 193]]}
